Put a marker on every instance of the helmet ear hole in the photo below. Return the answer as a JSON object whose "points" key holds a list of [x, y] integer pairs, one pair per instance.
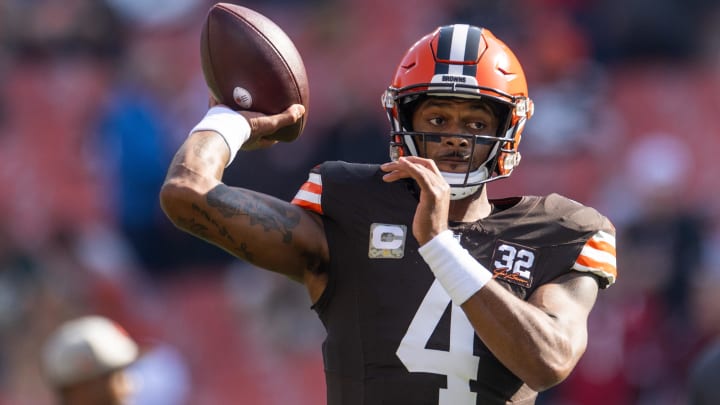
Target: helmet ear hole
{"points": [[406, 109], [504, 114]]}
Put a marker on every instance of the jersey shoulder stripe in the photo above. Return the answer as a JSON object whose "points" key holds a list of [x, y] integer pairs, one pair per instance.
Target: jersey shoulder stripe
{"points": [[310, 194], [598, 257]]}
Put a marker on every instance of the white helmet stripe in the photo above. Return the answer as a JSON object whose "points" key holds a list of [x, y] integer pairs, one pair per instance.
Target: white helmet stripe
{"points": [[458, 47]]}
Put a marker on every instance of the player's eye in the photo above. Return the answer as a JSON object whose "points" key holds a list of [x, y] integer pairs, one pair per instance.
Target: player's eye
{"points": [[437, 121], [477, 126]]}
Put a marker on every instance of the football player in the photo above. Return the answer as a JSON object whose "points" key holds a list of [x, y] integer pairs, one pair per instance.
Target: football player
{"points": [[430, 292]]}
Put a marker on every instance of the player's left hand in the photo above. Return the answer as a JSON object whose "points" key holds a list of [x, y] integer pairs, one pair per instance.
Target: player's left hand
{"points": [[431, 215]]}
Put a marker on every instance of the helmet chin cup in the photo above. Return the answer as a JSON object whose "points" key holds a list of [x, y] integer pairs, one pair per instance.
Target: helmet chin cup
{"points": [[458, 193], [460, 187]]}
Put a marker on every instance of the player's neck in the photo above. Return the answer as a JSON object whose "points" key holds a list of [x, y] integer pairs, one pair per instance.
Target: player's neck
{"points": [[472, 208]]}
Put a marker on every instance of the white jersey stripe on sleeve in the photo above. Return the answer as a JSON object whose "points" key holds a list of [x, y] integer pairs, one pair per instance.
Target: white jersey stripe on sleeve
{"points": [[308, 196], [315, 178]]}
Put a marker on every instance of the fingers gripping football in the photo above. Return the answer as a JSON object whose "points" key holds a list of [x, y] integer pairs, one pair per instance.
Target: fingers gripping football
{"points": [[262, 125]]}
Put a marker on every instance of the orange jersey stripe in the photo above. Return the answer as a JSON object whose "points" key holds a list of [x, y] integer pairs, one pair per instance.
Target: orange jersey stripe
{"points": [[600, 245], [315, 207], [594, 264], [310, 194], [312, 187]]}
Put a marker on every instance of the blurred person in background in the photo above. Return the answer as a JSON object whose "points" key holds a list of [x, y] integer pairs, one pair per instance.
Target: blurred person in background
{"points": [[155, 93], [85, 362], [430, 292], [93, 360]]}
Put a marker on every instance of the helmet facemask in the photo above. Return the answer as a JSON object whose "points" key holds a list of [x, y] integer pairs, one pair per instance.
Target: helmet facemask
{"points": [[406, 142]]}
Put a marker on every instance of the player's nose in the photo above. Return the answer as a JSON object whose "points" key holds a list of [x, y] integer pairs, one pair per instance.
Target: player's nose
{"points": [[456, 141]]}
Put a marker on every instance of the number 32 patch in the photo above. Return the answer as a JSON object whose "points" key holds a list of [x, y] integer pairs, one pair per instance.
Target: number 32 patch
{"points": [[513, 263]]}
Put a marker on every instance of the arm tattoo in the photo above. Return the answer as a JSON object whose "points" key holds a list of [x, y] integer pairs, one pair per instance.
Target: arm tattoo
{"points": [[266, 212], [201, 230], [193, 226], [222, 230]]}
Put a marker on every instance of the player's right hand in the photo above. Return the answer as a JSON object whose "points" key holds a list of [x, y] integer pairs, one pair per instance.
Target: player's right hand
{"points": [[262, 125]]}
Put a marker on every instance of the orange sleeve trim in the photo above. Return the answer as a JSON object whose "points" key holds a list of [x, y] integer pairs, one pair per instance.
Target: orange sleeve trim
{"points": [[312, 187], [310, 206], [594, 264], [600, 245]]}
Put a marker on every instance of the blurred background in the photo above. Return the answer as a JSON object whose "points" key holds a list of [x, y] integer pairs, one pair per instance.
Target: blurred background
{"points": [[96, 96]]}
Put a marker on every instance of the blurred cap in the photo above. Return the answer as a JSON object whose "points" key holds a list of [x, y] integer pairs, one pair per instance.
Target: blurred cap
{"points": [[85, 348]]}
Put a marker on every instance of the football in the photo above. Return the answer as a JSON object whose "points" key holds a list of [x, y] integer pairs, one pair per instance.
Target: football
{"points": [[250, 63]]}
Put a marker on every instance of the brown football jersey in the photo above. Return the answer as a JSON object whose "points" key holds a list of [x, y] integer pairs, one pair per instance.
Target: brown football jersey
{"points": [[393, 335]]}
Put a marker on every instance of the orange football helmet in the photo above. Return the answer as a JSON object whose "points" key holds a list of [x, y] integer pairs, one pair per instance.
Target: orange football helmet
{"points": [[461, 61]]}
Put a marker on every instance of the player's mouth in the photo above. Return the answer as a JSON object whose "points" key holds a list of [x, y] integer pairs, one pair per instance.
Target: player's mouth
{"points": [[454, 161]]}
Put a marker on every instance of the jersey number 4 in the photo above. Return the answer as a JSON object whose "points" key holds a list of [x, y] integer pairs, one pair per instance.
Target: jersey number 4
{"points": [[459, 363]]}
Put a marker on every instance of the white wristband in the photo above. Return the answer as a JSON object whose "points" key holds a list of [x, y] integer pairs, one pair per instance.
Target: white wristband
{"points": [[233, 127], [457, 271]]}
